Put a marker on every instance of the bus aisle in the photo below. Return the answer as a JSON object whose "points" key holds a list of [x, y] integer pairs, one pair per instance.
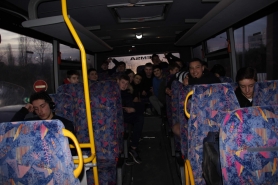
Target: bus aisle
{"points": [[158, 166]]}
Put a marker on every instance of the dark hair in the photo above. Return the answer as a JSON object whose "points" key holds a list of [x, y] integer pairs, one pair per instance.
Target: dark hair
{"points": [[246, 73], [196, 59], [124, 77], [128, 71], [219, 69], [157, 67], [149, 65], [138, 75], [154, 55], [121, 63], [172, 66], [72, 72], [90, 70], [44, 96]]}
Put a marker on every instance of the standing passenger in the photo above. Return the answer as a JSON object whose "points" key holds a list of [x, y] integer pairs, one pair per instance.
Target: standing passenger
{"points": [[246, 78]]}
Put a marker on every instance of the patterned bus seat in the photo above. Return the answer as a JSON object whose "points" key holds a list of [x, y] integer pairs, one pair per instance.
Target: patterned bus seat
{"points": [[207, 104], [168, 103], [249, 147], [175, 87], [266, 93], [225, 79], [35, 152]]}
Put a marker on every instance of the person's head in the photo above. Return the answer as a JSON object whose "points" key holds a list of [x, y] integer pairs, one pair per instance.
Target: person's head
{"points": [[121, 67], [123, 82], [104, 65], [196, 68], [157, 72], [218, 70], [92, 74], [43, 105], [148, 69], [130, 74], [155, 59], [73, 76], [137, 79], [246, 78], [174, 68], [179, 62]]}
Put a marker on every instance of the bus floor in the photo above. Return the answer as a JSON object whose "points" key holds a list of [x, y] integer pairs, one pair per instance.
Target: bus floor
{"points": [[158, 167]]}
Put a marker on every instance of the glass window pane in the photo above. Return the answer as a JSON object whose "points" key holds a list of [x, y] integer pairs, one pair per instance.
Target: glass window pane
{"points": [[69, 54], [198, 52], [23, 61], [217, 43], [256, 45]]}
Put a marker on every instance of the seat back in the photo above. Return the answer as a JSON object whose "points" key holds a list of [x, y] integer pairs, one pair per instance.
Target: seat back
{"points": [[175, 87], [208, 102], [63, 105], [183, 120], [249, 147], [168, 103], [103, 76], [266, 93], [35, 152], [225, 79]]}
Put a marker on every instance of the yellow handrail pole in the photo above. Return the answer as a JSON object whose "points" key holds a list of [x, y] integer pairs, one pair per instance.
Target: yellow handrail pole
{"points": [[186, 174], [191, 176], [185, 103], [86, 88]]}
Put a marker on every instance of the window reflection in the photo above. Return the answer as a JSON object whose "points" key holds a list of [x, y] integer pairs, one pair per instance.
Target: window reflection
{"points": [[217, 43]]}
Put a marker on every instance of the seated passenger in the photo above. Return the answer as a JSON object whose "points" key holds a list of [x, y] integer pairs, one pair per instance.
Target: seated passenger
{"points": [[157, 61], [120, 69], [92, 75], [246, 78], [133, 113], [220, 72], [137, 87], [174, 68], [42, 106], [198, 74], [72, 77]]}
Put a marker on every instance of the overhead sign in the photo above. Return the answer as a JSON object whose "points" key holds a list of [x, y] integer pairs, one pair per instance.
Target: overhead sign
{"points": [[40, 85]]}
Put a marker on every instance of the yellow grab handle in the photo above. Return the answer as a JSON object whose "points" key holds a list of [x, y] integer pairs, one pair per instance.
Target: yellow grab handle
{"points": [[185, 103], [191, 176], [79, 168], [186, 174]]}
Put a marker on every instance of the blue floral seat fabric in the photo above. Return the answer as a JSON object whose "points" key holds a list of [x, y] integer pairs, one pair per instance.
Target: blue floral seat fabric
{"points": [[183, 120], [169, 104], [225, 79], [175, 87], [266, 93], [63, 105], [35, 152], [107, 123], [249, 147], [208, 107]]}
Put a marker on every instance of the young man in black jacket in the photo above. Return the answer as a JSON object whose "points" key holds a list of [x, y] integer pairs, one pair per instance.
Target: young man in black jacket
{"points": [[133, 113]]}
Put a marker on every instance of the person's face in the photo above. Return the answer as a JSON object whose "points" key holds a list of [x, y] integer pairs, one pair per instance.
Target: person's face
{"points": [[123, 84], [157, 73], [93, 76], [131, 76], [174, 71], [121, 68], [137, 79], [196, 69], [42, 109], [74, 79], [148, 71], [156, 60], [104, 66], [247, 87]]}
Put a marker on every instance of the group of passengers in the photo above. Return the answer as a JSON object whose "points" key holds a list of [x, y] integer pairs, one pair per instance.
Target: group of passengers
{"points": [[147, 87]]}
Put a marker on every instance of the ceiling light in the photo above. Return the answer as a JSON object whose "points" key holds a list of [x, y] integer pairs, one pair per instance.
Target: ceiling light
{"points": [[138, 35]]}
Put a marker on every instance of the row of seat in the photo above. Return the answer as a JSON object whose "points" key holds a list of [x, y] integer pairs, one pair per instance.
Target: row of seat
{"points": [[210, 104]]}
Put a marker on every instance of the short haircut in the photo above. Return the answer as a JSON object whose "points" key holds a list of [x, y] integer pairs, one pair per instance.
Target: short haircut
{"points": [[219, 69], [157, 67], [72, 72], [149, 65], [138, 75], [172, 66], [246, 73], [154, 55], [121, 63], [128, 71], [40, 95], [196, 59], [124, 77], [90, 70]]}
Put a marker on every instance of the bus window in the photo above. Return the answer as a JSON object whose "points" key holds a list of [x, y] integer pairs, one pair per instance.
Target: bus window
{"points": [[217, 43], [23, 61], [255, 45], [69, 54], [198, 52]]}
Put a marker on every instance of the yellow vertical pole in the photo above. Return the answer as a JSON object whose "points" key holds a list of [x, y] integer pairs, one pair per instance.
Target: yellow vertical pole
{"points": [[86, 88]]}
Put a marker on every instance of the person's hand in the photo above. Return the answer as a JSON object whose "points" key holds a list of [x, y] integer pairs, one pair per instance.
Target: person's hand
{"points": [[129, 109], [29, 107]]}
